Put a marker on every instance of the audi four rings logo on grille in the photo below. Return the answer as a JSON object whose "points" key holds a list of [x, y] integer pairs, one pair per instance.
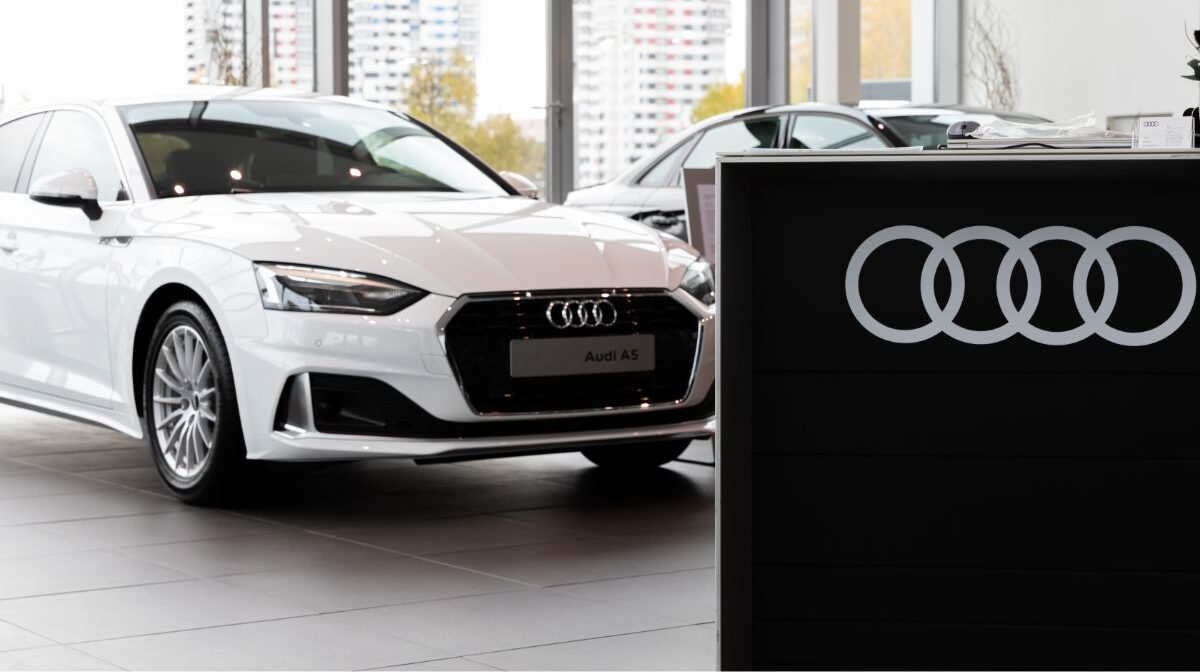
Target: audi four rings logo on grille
{"points": [[1020, 250], [580, 314]]}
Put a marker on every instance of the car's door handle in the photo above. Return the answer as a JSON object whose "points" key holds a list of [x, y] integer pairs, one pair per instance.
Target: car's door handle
{"points": [[9, 245]]}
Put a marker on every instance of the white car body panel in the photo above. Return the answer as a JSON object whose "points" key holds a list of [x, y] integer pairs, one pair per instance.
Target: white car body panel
{"points": [[82, 287]]}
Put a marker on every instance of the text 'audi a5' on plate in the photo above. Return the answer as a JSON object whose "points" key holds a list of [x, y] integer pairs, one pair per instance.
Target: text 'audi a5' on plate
{"points": [[248, 275]]}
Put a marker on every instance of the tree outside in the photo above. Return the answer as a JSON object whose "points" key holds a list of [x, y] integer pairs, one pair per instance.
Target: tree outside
{"points": [[443, 95], [719, 99], [800, 52], [886, 40], [886, 54]]}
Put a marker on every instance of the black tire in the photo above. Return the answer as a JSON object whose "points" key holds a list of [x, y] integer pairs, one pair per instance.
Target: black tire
{"points": [[638, 456], [220, 475]]}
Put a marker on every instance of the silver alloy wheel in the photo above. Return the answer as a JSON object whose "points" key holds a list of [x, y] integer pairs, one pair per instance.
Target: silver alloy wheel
{"points": [[185, 396]]}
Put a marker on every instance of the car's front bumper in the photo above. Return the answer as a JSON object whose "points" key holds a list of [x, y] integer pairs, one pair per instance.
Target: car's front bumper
{"points": [[406, 351]]}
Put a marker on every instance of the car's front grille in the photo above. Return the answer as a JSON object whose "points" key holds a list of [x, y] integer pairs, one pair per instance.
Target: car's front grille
{"points": [[478, 337]]}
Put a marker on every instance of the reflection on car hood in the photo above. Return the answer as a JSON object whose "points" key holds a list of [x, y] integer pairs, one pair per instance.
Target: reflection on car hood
{"points": [[449, 244]]}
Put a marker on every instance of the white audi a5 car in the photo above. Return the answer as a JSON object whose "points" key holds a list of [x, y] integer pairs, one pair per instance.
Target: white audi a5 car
{"points": [[250, 275]]}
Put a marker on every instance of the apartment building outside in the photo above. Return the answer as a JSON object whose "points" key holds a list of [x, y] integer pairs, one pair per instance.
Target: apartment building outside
{"points": [[639, 70]]}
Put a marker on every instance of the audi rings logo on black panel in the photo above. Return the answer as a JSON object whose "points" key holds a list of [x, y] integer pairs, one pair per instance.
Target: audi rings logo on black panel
{"points": [[1020, 250], [581, 314]]}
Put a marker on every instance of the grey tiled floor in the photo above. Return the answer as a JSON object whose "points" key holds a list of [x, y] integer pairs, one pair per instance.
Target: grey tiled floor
{"points": [[524, 563]]}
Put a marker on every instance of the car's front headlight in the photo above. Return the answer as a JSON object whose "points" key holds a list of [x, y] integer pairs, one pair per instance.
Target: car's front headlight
{"points": [[322, 290], [700, 282]]}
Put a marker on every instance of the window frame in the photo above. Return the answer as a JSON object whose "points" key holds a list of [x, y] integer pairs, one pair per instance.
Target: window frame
{"points": [[34, 141], [113, 151], [686, 146], [783, 118], [796, 115]]}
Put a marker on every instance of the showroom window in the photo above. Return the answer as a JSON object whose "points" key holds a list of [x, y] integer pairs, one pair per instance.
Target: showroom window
{"points": [[645, 71], [290, 35], [215, 37], [886, 50], [475, 71], [800, 51]]}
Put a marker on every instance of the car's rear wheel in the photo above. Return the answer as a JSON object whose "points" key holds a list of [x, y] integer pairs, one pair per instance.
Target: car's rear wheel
{"points": [[638, 456], [190, 407]]}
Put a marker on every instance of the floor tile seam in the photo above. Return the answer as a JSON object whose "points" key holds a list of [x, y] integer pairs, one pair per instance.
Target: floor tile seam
{"points": [[208, 576], [55, 554], [471, 549], [95, 657], [302, 528], [184, 579], [225, 580], [54, 642], [606, 536], [118, 486], [215, 626], [431, 556], [582, 533], [693, 570], [343, 612], [116, 548], [616, 604], [429, 560], [392, 666], [87, 519], [551, 586], [313, 614], [180, 542], [468, 656]]}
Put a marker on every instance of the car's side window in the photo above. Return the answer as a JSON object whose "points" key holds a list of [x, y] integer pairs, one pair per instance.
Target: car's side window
{"points": [[15, 137], [74, 141], [666, 171], [823, 131], [735, 136]]}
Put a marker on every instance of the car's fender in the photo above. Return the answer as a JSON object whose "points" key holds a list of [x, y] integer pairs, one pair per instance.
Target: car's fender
{"points": [[223, 281]]}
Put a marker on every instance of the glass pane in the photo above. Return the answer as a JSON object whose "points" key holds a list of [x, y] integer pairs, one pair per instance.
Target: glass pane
{"points": [[230, 146], [800, 45], [290, 27], [819, 131], [886, 50], [75, 141], [737, 136], [646, 70], [666, 171], [55, 50], [15, 137], [214, 42], [475, 71]]}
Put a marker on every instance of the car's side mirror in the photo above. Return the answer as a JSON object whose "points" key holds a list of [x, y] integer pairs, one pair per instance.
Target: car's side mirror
{"points": [[522, 184], [70, 189]]}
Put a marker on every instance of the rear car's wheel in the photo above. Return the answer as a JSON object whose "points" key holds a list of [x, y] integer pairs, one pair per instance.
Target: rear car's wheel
{"points": [[190, 407], [639, 456]]}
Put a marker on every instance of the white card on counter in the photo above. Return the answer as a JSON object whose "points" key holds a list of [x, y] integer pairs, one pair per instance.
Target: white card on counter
{"points": [[1166, 133]]}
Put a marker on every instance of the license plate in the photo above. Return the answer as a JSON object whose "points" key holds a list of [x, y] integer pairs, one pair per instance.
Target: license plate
{"points": [[544, 357]]}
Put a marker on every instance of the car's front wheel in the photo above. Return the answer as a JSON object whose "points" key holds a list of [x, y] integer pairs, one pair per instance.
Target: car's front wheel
{"points": [[190, 407], [638, 456]]}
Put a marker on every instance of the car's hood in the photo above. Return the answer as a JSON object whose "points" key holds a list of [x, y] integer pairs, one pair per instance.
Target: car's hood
{"points": [[449, 244]]}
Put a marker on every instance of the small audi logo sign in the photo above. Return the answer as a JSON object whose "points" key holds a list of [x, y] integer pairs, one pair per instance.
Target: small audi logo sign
{"points": [[581, 314]]}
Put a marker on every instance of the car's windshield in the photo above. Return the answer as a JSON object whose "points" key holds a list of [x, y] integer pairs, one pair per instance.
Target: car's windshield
{"points": [[929, 130], [238, 146]]}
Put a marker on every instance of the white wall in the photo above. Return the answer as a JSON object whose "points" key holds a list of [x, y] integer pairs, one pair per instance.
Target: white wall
{"points": [[1115, 57]]}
